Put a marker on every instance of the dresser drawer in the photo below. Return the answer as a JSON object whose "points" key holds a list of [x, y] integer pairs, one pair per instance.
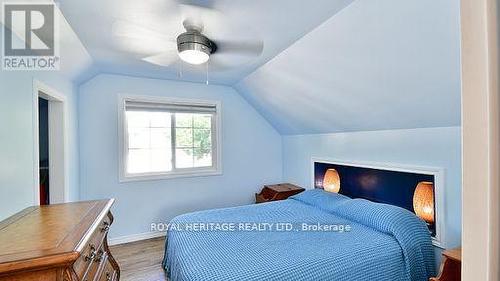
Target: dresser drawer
{"points": [[92, 251], [109, 273], [96, 267]]}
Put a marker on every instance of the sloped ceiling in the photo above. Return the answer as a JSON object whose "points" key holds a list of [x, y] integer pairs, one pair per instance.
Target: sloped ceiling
{"points": [[384, 64], [277, 23], [333, 66]]}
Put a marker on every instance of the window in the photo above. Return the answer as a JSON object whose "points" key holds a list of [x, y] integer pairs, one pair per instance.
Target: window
{"points": [[165, 138]]}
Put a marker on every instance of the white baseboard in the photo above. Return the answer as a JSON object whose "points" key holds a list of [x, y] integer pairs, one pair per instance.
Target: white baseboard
{"points": [[135, 237]]}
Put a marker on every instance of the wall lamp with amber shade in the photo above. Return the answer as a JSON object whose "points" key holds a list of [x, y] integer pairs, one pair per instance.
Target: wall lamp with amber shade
{"points": [[331, 181], [423, 201]]}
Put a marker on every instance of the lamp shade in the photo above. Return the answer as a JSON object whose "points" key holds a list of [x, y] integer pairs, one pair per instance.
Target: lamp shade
{"points": [[331, 181], [423, 201]]}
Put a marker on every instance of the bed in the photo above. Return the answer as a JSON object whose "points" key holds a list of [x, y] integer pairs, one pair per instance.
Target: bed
{"points": [[372, 241]]}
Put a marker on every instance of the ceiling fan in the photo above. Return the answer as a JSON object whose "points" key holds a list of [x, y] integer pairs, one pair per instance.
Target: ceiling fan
{"points": [[225, 51]]}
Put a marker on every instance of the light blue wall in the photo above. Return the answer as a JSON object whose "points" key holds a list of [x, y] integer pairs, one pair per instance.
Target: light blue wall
{"points": [[16, 122], [17, 137], [434, 147], [251, 153], [16, 143]]}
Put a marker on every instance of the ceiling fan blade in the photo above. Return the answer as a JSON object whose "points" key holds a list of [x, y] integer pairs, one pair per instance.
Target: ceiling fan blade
{"points": [[123, 28], [221, 63], [138, 39], [201, 3], [245, 48], [199, 17], [163, 59], [196, 9], [143, 46]]}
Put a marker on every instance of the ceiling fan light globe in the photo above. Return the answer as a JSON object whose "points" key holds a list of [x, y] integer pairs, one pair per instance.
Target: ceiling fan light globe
{"points": [[194, 56]]}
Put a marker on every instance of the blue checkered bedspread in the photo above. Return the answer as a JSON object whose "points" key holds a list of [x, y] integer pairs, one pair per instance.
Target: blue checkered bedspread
{"points": [[382, 243]]}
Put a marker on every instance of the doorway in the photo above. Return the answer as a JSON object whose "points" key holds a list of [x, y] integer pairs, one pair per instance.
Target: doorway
{"points": [[43, 148], [50, 146]]}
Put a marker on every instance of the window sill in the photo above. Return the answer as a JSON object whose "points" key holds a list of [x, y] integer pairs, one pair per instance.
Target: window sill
{"points": [[166, 176]]}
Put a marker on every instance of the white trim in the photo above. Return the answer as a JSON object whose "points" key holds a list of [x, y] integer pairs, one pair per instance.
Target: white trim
{"points": [[136, 237], [439, 186], [197, 172], [480, 139], [58, 162]]}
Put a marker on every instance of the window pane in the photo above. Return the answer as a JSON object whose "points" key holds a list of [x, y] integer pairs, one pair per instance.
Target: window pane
{"points": [[202, 157], [160, 119], [184, 137], [149, 142], [184, 158], [184, 120], [160, 138], [138, 138], [138, 161], [161, 160], [202, 138], [202, 121], [138, 119]]}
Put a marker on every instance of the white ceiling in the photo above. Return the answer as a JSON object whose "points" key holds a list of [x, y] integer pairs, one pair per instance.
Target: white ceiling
{"points": [[384, 64], [276, 23], [327, 65]]}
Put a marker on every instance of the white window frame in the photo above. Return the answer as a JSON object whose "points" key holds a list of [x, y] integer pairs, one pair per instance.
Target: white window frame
{"points": [[216, 169]]}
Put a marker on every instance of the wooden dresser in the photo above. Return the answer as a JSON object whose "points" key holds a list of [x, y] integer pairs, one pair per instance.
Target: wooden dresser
{"points": [[59, 242]]}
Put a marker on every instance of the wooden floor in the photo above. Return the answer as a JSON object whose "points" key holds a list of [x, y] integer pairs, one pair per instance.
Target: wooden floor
{"points": [[140, 261]]}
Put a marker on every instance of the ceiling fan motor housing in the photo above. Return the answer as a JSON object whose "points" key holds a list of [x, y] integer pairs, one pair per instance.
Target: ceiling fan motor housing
{"points": [[194, 40]]}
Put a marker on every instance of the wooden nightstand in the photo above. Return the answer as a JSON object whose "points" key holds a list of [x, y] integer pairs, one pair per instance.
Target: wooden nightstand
{"points": [[450, 266], [277, 192]]}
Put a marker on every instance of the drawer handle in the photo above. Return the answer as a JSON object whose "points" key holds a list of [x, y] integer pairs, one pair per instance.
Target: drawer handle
{"points": [[105, 227], [90, 257], [98, 258]]}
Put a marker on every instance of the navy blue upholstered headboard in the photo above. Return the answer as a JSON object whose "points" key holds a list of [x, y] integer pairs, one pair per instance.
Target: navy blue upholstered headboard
{"points": [[383, 185]]}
